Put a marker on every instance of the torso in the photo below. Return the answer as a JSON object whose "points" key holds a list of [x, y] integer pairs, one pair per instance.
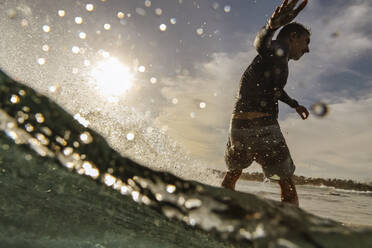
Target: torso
{"points": [[259, 82]]}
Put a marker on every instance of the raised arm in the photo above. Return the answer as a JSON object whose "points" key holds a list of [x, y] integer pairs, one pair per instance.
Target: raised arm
{"points": [[282, 15], [262, 43]]}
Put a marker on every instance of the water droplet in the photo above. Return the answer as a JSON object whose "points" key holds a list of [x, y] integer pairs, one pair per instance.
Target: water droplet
{"points": [[39, 118], [320, 109], [148, 3], [153, 80], [53, 88], [26, 109], [12, 13], [193, 203], [130, 136], [45, 48], [135, 196], [22, 93], [203, 105], [90, 170], [89, 7], [124, 190], [141, 68], [171, 188], [81, 120], [107, 26], [174, 100], [46, 28], [28, 157], [158, 11], [24, 23], [61, 13], [192, 115], [146, 200], [68, 151], [78, 20], [158, 197], [86, 138], [46, 131], [163, 27], [279, 52], [199, 31], [109, 180], [14, 99], [82, 35], [75, 49], [173, 20], [120, 15], [227, 8], [29, 128]]}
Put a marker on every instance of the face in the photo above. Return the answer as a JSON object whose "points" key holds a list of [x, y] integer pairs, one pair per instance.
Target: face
{"points": [[299, 45]]}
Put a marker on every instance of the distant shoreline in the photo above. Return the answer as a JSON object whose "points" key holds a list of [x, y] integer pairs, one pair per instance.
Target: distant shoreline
{"points": [[301, 180]]}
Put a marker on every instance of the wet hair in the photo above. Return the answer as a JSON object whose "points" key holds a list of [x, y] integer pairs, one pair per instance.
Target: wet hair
{"points": [[298, 28]]}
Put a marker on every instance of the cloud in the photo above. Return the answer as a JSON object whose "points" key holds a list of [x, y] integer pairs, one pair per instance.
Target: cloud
{"points": [[340, 38], [338, 145], [203, 130]]}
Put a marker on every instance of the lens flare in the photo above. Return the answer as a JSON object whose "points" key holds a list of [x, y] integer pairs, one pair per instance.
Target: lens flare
{"points": [[112, 77]]}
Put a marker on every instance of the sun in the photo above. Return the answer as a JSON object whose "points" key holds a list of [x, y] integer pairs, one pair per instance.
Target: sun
{"points": [[112, 78]]}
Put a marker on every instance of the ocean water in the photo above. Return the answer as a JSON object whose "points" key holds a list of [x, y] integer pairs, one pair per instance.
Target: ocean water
{"points": [[347, 206], [61, 184], [100, 173]]}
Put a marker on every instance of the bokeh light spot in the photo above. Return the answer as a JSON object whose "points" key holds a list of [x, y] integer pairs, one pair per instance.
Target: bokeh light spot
{"points": [[89, 7], [61, 13], [158, 11], [163, 27], [46, 28], [78, 20]]}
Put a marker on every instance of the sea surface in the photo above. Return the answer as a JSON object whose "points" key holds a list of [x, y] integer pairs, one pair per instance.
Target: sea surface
{"points": [[63, 185], [347, 206]]}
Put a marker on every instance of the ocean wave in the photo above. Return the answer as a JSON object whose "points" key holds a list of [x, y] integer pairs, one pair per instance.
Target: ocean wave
{"points": [[41, 130]]}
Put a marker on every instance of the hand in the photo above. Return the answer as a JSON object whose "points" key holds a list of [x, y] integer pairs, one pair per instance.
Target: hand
{"points": [[285, 13], [302, 111]]}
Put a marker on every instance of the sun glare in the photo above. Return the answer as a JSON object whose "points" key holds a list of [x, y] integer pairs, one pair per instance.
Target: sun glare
{"points": [[112, 78]]}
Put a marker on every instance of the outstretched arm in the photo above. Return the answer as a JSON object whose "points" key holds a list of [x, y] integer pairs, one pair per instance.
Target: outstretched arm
{"points": [[301, 110], [283, 15]]}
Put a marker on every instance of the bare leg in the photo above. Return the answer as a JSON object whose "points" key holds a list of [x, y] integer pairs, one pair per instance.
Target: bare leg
{"points": [[231, 178], [288, 191]]}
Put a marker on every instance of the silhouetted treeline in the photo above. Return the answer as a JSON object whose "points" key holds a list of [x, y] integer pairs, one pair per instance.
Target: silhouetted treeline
{"points": [[301, 180]]}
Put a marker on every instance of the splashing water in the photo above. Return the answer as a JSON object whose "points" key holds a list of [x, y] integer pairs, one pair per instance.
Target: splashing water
{"points": [[75, 45]]}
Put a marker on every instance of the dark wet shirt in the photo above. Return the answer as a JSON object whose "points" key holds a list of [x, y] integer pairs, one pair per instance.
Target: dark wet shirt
{"points": [[262, 83]]}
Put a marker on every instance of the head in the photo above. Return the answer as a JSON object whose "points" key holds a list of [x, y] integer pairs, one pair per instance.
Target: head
{"points": [[297, 37]]}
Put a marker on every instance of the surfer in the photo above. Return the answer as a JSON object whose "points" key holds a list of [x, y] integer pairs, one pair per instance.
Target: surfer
{"points": [[254, 133]]}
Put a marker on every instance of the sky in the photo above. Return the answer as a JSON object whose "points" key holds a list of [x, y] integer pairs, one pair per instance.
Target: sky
{"points": [[176, 65]]}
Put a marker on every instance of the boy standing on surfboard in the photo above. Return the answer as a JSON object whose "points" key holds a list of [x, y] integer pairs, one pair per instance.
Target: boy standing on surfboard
{"points": [[255, 134]]}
